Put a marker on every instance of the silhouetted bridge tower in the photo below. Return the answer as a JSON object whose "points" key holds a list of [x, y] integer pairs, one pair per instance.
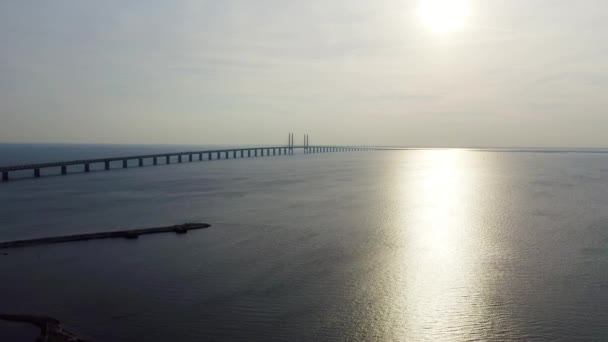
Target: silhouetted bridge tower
{"points": [[179, 157]]}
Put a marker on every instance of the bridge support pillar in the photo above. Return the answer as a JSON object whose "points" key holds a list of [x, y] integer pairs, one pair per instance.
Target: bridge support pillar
{"points": [[209, 156], [64, 170], [107, 165], [36, 173], [248, 153], [87, 168], [168, 160], [124, 163], [226, 155], [219, 156], [155, 161], [179, 158], [190, 157], [200, 156], [5, 176], [141, 162], [234, 154], [242, 154]]}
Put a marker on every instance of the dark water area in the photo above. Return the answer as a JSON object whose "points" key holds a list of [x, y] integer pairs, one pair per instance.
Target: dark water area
{"points": [[419, 245]]}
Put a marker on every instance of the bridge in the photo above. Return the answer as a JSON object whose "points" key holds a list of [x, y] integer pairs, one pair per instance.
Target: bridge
{"points": [[179, 157]]}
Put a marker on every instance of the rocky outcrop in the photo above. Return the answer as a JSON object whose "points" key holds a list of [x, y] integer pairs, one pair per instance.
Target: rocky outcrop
{"points": [[50, 328]]}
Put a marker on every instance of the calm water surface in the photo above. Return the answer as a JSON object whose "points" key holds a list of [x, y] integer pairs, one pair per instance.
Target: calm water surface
{"points": [[426, 245]]}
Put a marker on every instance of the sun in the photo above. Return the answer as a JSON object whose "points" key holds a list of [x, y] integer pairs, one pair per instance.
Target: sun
{"points": [[444, 16]]}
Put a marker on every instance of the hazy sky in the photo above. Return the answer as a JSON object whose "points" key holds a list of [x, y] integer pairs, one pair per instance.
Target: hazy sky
{"points": [[518, 73]]}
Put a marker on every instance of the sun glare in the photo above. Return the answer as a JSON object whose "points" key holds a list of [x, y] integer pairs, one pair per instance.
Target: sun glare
{"points": [[444, 16]]}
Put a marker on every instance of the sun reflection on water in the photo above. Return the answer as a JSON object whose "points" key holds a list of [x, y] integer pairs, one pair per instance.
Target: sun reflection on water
{"points": [[441, 290]]}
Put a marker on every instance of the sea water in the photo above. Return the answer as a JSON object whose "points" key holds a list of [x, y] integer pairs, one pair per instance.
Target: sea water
{"points": [[404, 245]]}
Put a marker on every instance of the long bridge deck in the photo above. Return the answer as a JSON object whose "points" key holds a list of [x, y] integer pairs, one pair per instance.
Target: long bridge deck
{"points": [[178, 157]]}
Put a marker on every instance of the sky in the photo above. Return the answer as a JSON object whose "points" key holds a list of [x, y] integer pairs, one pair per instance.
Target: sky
{"points": [[517, 73]]}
